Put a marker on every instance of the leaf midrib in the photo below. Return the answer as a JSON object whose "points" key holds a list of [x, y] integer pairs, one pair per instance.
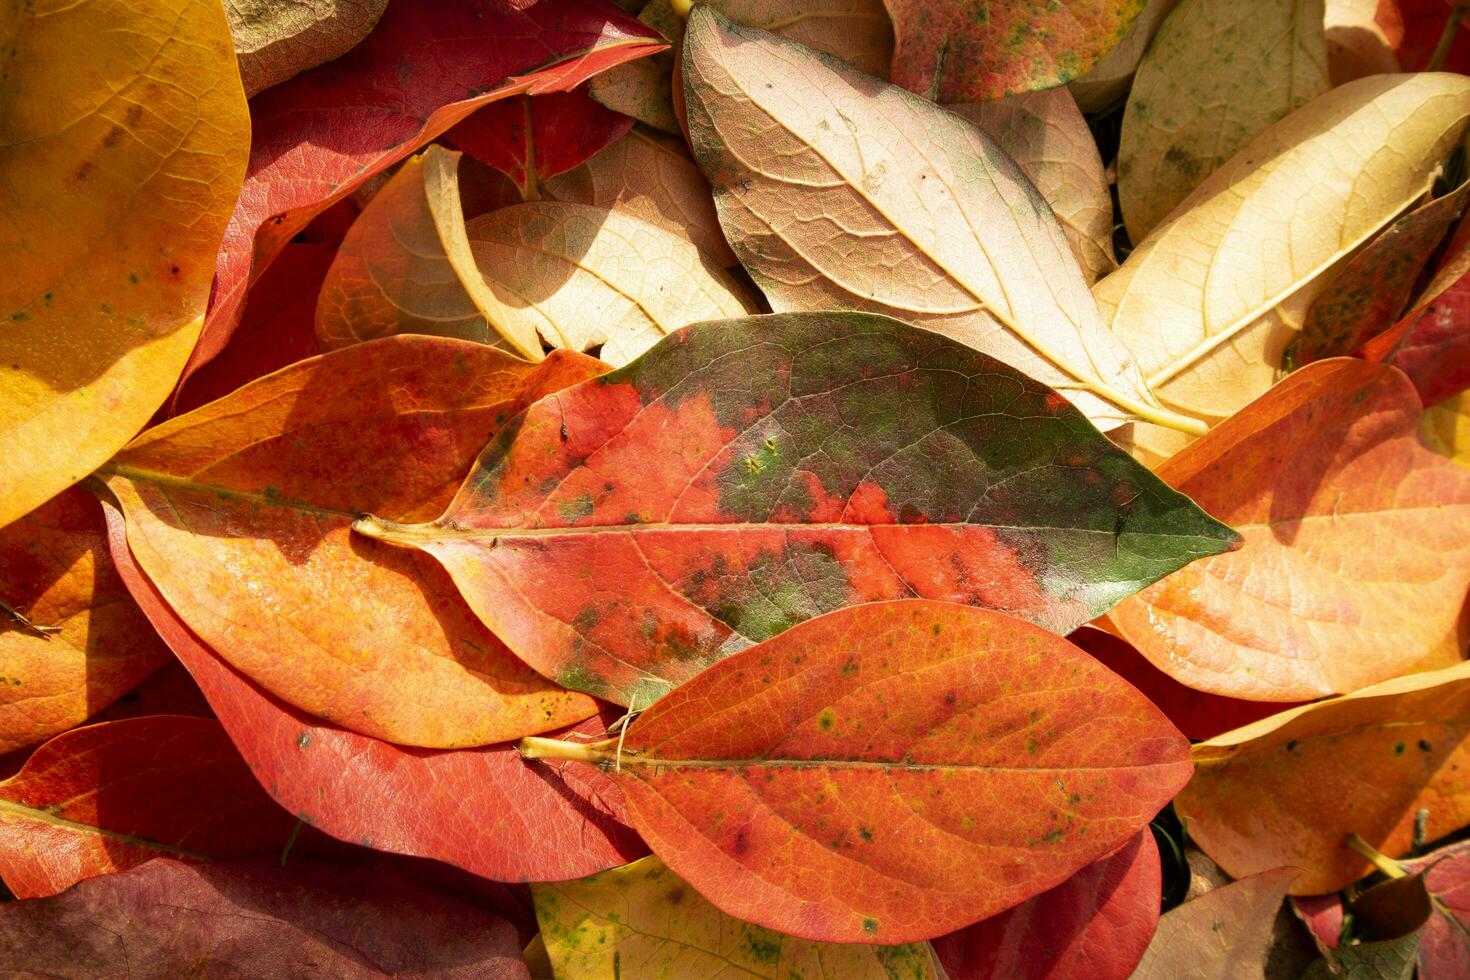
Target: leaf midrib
{"points": [[51, 819]]}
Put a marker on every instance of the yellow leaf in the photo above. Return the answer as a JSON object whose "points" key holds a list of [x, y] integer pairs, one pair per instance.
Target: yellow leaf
{"points": [[1215, 76], [123, 139], [1210, 300], [1108, 80], [1445, 428], [1045, 134], [1289, 789], [582, 276], [643, 920]]}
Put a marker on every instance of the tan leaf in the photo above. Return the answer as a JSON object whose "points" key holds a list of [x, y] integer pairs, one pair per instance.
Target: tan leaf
{"points": [[1209, 301], [1289, 789], [650, 176], [582, 276], [1224, 934], [276, 39], [1215, 75], [405, 267], [832, 200], [1108, 80], [1362, 36], [856, 31], [1045, 134]]}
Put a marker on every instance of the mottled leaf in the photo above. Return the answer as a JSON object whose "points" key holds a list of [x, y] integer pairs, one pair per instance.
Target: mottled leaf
{"points": [[1214, 76], [1357, 545], [1290, 789], [1373, 290], [240, 513], [532, 138], [1097, 923], [1045, 134], [946, 232], [1254, 244], [745, 475], [650, 176], [856, 31], [276, 39], [254, 919], [71, 639], [108, 797], [974, 50], [790, 788], [644, 917], [1107, 82], [426, 66], [1444, 949], [120, 161], [530, 822], [1222, 935], [590, 278], [1432, 344]]}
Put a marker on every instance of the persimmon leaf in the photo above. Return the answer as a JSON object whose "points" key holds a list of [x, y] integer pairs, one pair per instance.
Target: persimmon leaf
{"points": [[1223, 934], [745, 475], [276, 39]]}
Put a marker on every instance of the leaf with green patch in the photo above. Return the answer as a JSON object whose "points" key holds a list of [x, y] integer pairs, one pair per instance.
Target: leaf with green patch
{"points": [[745, 475], [646, 916], [890, 772]]}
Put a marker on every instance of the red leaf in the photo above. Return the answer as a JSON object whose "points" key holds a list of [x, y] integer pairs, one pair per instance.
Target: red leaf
{"points": [[254, 919], [524, 822], [1198, 714], [1322, 915], [111, 796], [891, 772], [532, 138], [426, 66], [1431, 345], [1095, 924], [1444, 952], [276, 329], [167, 691]]}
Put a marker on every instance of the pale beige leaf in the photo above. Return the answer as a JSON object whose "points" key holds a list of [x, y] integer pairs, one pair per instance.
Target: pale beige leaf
{"points": [[1045, 134], [838, 191], [583, 276], [650, 176], [1216, 75], [1362, 36], [642, 920], [1211, 299], [1108, 80], [276, 39], [857, 31], [405, 267]]}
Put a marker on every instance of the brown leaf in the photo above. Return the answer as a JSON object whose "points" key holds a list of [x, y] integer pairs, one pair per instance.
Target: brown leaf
{"points": [[275, 39]]}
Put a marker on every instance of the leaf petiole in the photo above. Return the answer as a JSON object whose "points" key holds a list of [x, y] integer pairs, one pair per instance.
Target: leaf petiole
{"points": [[1377, 858], [596, 753]]}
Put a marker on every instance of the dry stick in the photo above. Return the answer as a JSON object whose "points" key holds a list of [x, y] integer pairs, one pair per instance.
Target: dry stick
{"points": [[42, 631]]}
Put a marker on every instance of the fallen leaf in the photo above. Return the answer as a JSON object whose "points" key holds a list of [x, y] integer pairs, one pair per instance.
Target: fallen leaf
{"points": [[277, 328], [1356, 560], [1106, 83], [120, 163], [167, 691], [1444, 949], [784, 786], [530, 823], [1373, 290], [406, 267], [1391, 919], [532, 138], [1045, 134], [644, 914], [1323, 917], [1445, 428], [651, 177], [1432, 344], [590, 278], [1096, 923], [83, 642], [108, 797], [262, 487], [322, 134], [275, 40], [974, 51], [1224, 934], [1197, 714], [1214, 77], [947, 234], [254, 919], [802, 462], [1362, 38], [1233, 276], [1292, 787], [1424, 26], [855, 31]]}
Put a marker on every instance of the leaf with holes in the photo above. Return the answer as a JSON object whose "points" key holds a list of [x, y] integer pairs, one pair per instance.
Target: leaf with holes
{"points": [[745, 475]]}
